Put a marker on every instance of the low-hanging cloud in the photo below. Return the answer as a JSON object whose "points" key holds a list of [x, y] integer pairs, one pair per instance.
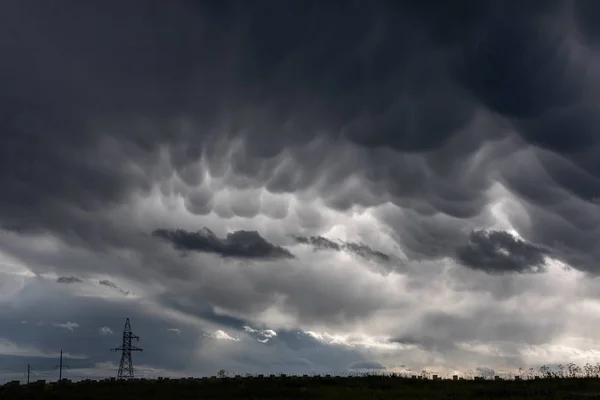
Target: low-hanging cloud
{"points": [[110, 284], [68, 279], [238, 244], [359, 249], [498, 252], [366, 366]]}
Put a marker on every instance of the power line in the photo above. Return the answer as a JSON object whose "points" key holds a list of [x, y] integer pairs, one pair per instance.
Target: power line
{"points": [[126, 364]]}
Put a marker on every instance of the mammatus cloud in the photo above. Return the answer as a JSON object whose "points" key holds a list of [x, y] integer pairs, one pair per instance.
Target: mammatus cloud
{"points": [[113, 285], [432, 131], [68, 279], [381, 141], [238, 244], [67, 325], [499, 252]]}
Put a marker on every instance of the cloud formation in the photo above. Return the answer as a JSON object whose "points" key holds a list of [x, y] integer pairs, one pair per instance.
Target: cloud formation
{"points": [[238, 244], [222, 335], [105, 330], [110, 284], [359, 249], [366, 366], [458, 142], [67, 325], [263, 336], [68, 279], [500, 252]]}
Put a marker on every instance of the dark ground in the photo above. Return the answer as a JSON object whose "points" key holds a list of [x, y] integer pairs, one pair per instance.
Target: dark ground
{"points": [[369, 387]]}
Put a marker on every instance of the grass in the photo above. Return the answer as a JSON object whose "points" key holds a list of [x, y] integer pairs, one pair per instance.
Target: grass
{"points": [[314, 387]]}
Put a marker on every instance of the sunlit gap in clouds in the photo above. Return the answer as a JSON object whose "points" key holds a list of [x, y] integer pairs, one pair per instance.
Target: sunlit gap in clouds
{"points": [[12, 266]]}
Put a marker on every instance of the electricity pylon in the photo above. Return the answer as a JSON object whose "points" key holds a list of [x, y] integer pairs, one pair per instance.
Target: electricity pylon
{"points": [[59, 366], [126, 365]]}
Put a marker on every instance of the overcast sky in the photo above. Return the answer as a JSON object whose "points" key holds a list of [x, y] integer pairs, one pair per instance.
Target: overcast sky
{"points": [[299, 186]]}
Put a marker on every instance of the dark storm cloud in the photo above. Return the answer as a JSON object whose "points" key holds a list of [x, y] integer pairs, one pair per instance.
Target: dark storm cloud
{"points": [[364, 103], [418, 107], [359, 249], [547, 91], [520, 70], [331, 70], [238, 244], [561, 221], [498, 252], [68, 279], [585, 12]]}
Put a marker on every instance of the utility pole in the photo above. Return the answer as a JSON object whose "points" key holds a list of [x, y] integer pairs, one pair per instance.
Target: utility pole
{"points": [[126, 364], [60, 367], [28, 371]]}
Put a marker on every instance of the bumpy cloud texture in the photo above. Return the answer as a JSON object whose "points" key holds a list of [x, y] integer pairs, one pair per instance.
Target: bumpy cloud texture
{"points": [[159, 149]]}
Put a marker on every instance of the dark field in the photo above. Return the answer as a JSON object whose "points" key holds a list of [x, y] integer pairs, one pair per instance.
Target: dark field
{"points": [[346, 388]]}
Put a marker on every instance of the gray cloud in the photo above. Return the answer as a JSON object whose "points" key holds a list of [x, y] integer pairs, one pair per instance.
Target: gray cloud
{"points": [[366, 365], [455, 336], [263, 336], [319, 243], [498, 252], [113, 285], [359, 249], [67, 325], [105, 330], [378, 126], [414, 127], [68, 279], [285, 352], [486, 372], [238, 244]]}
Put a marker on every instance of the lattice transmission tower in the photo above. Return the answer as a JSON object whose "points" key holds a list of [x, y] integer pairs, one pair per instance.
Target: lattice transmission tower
{"points": [[126, 365]]}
